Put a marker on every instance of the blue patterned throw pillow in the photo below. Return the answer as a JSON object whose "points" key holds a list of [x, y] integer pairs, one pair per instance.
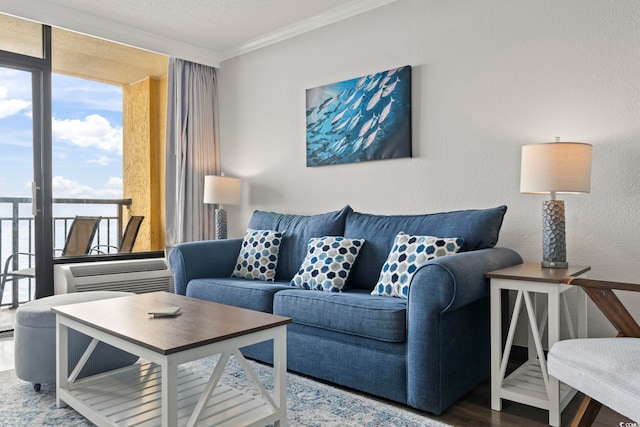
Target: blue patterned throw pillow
{"points": [[407, 255], [258, 256], [327, 264]]}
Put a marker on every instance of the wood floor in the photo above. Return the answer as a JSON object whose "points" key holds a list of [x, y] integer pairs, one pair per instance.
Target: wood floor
{"points": [[472, 410], [475, 410]]}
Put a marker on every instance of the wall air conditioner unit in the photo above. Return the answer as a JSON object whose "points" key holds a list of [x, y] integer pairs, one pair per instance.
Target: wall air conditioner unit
{"points": [[139, 276]]}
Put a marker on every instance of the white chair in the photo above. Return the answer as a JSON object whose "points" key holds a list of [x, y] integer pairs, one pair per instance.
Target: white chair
{"points": [[606, 370]]}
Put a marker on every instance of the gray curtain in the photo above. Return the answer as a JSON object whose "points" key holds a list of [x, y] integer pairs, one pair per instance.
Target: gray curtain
{"points": [[192, 149]]}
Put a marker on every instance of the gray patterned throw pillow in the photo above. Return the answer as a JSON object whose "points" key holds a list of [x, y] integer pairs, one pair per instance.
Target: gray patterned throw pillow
{"points": [[327, 264], [407, 255], [258, 255]]}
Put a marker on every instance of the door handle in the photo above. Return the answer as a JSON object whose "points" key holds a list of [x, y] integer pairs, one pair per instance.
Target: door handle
{"points": [[34, 192]]}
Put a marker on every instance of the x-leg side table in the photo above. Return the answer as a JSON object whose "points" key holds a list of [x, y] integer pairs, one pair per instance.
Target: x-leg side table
{"points": [[530, 384]]}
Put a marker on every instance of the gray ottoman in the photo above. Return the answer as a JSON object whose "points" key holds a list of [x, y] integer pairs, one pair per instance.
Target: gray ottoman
{"points": [[35, 341]]}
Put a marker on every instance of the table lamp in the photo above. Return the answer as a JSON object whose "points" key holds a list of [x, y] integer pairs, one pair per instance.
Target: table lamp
{"points": [[555, 168], [221, 190]]}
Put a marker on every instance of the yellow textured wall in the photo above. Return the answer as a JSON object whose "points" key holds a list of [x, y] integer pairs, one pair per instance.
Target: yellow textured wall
{"points": [[162, 136], [143, 158]]}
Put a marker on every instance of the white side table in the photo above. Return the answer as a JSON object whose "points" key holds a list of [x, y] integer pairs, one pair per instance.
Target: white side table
{"points": [[530, 384]]}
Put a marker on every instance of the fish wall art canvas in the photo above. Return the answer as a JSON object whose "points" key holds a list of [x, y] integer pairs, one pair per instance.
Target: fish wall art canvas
{"points": [[362, 119]]}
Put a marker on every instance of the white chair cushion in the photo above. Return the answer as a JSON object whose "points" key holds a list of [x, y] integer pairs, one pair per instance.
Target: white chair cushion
{"points": [[606, 369]]}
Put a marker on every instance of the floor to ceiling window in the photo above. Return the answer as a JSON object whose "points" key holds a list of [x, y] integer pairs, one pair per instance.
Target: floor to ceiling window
{"points": [[25, 59], [16, 177], [102, 153]]}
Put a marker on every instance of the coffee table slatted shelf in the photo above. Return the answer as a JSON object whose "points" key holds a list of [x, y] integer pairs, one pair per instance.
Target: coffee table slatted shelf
{"points": [[131, 396], [160, 390]]}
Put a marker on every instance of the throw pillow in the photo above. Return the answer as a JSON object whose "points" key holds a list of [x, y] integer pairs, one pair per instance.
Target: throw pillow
{"points": [[327, 263], [300, 228], [407, 255], [258, 255]]}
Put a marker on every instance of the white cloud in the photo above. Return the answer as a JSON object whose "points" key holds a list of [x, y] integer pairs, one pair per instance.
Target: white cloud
{"points": [[114, 182], [10, 107], [94, 131], [67, 188], [16, 83], [101, 160]]}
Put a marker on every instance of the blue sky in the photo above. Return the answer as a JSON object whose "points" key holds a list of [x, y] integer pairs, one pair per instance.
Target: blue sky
{"points": [[87, 137]]}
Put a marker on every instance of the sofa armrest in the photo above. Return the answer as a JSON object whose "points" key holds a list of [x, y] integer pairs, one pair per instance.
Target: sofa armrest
{"points": [[204, 259], [448, 326], [456, 280]]}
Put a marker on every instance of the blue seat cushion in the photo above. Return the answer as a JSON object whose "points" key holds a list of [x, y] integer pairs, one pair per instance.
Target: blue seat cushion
{"points": [[479, 228], [356, 313], [298, 229], [244, 293]]}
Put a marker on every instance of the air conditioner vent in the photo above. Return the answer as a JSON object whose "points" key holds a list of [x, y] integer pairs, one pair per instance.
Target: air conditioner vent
{"points": [[141, 286], [104, 268], [139, 276]]}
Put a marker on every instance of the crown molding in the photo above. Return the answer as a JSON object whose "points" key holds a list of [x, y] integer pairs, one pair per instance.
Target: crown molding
{"points": [[305, 26], [67, 18]]}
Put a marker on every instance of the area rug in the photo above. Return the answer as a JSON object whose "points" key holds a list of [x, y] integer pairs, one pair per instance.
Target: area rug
{"points": [[309, 402]]}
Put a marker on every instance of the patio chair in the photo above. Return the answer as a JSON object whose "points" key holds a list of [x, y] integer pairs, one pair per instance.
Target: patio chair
{"points": [[128, 238], [78, 242], [604, 369]]}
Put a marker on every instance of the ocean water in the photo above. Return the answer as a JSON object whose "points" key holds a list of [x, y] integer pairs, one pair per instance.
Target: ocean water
{"points": [[107, 235]]}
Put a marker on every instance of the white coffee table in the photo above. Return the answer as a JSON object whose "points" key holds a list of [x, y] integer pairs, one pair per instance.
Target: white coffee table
{"points": [[157, 391]]}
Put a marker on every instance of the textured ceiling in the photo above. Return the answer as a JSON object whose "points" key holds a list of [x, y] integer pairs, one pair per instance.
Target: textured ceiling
{"points": [[219, 25], [203, 31]]}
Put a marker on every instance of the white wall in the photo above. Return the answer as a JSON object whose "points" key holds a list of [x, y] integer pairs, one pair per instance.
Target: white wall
{"points": [[488, 77]]}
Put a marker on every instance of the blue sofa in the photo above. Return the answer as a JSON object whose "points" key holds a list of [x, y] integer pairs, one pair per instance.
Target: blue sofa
{"points": [[425, 351]]}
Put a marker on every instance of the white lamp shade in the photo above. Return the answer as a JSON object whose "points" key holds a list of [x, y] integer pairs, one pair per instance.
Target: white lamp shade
{"points": [[556, 167], [222, 190]]}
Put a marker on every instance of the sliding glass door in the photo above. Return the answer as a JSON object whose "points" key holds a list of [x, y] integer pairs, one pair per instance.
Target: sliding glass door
{"points": [[25, 169], [17, 252]]}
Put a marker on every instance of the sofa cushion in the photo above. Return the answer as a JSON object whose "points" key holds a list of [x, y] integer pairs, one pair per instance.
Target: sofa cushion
{"points": [[478, 228], [237, 292], [298, 230], [327, 263], [258, 255], [407, 255], [355, 312]]}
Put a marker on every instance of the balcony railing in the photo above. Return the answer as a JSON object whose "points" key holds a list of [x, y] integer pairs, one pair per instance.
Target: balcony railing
{"points": [[17, 233]]}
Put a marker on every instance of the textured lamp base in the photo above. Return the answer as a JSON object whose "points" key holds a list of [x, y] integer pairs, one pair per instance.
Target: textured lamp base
{"points": [[221, 224], [554, 247]]}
